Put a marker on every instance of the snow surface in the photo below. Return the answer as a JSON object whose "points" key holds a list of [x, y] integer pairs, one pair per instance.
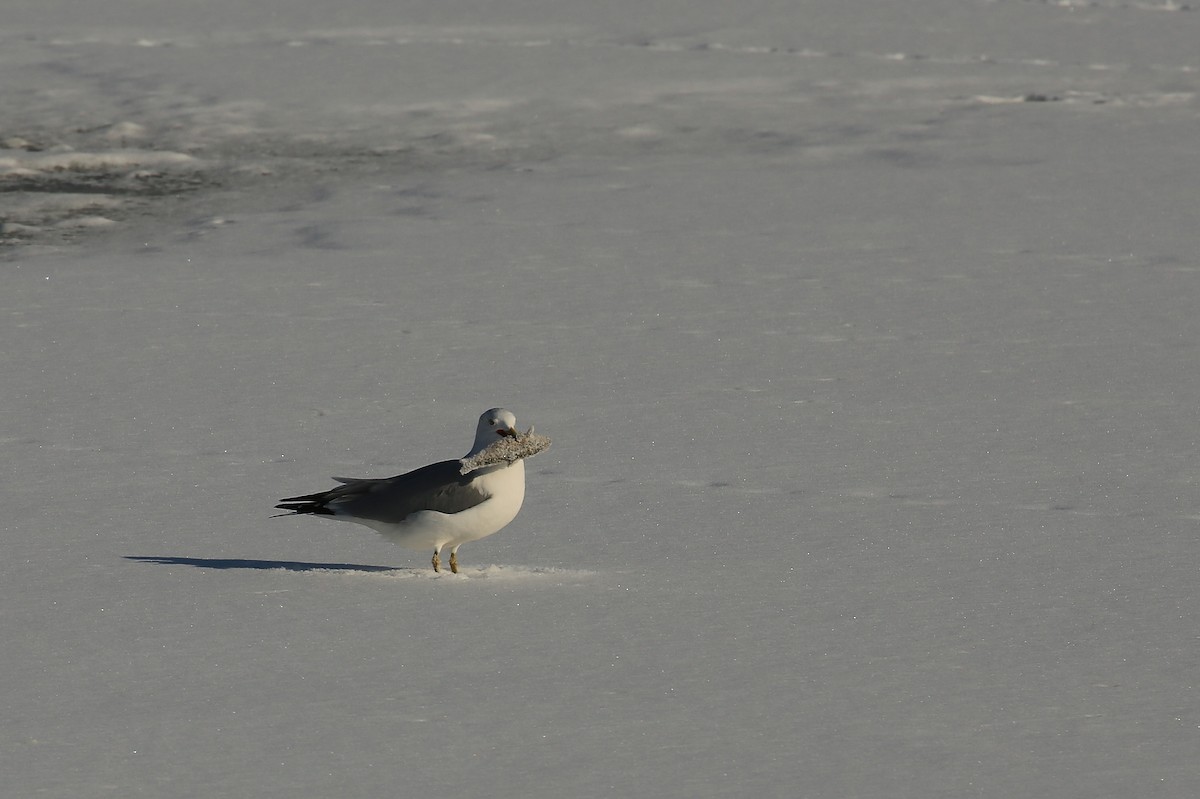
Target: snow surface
{"points": [[866, 334]]}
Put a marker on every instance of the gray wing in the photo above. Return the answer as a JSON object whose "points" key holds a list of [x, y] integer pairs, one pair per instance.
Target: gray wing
{"points": [[439, 486]]}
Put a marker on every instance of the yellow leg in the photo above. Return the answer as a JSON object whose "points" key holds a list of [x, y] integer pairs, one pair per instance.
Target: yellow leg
{"points": [[454, 561], [437, 561]]}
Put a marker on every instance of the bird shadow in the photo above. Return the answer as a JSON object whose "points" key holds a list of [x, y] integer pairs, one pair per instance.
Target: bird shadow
{"points": [[261, 565]]}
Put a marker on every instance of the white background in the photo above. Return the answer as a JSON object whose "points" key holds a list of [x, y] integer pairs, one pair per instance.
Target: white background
{"points": [[866, 334]]}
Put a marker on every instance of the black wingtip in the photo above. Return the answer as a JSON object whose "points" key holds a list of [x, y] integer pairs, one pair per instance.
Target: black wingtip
{"points": [[303, 507]]}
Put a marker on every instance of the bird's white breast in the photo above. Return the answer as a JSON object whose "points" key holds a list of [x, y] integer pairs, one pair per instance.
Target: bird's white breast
{"points": [[506, 485]]}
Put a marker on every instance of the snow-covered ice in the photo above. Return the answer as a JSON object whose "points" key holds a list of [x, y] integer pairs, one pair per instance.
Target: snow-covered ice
{"points": [[866, 334]]}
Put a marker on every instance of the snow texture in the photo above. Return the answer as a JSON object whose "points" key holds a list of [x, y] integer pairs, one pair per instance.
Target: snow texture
{"points": [[507, 450], [867, 332]]}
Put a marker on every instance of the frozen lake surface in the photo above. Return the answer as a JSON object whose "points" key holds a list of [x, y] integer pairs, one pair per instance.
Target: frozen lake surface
{"points": [[866, 335]]}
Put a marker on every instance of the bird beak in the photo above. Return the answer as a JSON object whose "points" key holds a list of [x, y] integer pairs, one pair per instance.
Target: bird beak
{"points": [[511, 431]]}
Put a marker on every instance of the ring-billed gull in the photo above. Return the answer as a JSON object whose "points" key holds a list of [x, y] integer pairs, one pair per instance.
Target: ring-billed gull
{"points": [[437, 506]]}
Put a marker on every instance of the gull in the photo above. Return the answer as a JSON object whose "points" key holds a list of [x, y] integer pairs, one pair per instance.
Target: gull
{"points": [[436, 506]]}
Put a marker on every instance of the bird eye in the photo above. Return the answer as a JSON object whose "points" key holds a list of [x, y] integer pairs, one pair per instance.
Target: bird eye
{"points": [[492, 422]]}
